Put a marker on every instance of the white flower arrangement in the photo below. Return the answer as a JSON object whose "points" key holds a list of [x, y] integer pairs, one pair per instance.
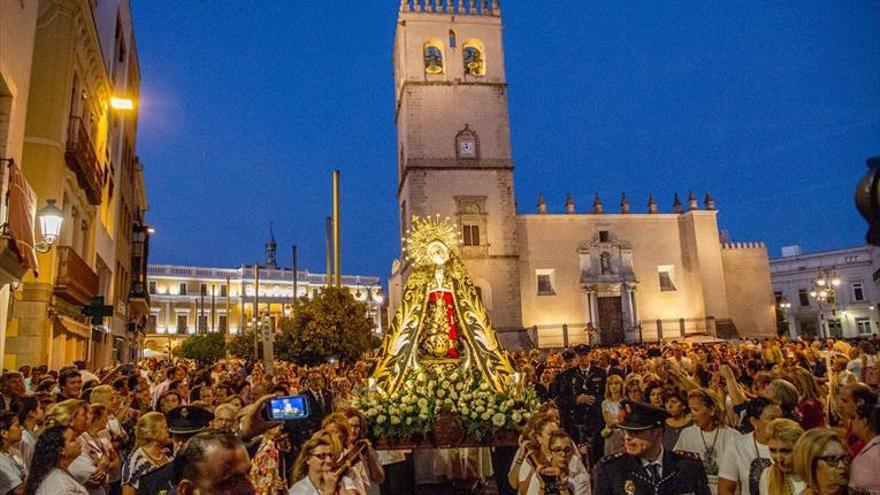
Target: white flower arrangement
{"points": [[430, 393]]}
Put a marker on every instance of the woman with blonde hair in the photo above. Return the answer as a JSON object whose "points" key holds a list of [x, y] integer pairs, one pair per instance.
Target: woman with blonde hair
{"points": [[539, 426], [353, 479], [97, 457], [822, 459], [151, 439], [709, 436], [780, 479], [72, 412], [611, 415], [314, 466], [810, 408]]}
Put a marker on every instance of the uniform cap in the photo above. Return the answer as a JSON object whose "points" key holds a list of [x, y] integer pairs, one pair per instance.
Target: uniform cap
{"points": [[188, 420], [641, 416], [582, 349]]}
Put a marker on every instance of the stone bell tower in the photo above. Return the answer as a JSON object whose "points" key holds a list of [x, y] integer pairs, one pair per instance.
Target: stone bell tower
{"points": [[453, 132]]}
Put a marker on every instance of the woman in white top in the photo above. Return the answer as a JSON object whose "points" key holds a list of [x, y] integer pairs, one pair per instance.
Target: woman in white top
{"points": [[56, 449], [30, 416], [708, 437], [13, 472], [92, 466], [611, 414], [564, 473], [315, 466], [779, 478]]}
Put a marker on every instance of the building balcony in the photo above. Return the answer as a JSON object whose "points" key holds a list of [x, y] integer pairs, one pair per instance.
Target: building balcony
{"points": [[139, 299], [75, 282], [82, 159]]}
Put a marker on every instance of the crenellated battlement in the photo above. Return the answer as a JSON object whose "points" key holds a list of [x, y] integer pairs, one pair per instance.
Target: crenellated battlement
{"points": [[743, 245], [678, 207], [453, 7]]}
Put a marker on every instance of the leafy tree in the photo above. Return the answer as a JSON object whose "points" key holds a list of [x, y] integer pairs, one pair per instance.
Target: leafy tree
{"points": [[242, 345], [204, 348], [331, 325]]}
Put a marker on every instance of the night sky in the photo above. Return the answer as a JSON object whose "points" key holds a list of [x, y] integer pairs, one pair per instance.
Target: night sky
{"points": [[247, 106]]}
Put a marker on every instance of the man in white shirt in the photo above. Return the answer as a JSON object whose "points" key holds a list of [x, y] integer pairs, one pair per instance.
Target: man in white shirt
{"points": [[744, 459]]}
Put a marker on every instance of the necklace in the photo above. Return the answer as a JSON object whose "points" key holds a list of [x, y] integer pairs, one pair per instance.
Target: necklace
{"points": [[710, 458], [156, 460]]}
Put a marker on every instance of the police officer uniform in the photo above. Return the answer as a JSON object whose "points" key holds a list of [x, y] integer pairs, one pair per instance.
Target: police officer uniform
{"points": [[673, 473], [183, 423], [583, 422]]}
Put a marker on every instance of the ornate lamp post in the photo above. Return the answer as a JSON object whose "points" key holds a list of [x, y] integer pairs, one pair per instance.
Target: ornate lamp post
{"points": [[824, 292], [784, 306]]}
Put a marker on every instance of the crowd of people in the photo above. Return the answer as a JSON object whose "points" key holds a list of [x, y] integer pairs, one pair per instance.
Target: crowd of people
{"points": [[748, 417]]}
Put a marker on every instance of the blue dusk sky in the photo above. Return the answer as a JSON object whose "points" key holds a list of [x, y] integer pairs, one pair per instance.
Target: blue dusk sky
{"points": [[248, 106]]}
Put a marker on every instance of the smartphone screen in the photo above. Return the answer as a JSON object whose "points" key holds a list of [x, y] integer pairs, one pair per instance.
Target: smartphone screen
{"points": [[288, 408]]}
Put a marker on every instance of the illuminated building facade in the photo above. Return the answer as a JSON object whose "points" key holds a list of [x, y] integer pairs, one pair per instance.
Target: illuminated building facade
{"points": [[550, 279], [187, 300]]}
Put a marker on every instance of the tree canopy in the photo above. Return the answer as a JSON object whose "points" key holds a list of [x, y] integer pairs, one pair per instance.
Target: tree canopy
{"points": [[332, 325], [204, 348]]}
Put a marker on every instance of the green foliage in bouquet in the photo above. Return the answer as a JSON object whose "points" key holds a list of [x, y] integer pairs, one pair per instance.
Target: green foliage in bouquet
{"points": [[429, 393]]}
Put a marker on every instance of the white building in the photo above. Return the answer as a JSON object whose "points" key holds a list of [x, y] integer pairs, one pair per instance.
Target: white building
{"points": [[852, 312]]}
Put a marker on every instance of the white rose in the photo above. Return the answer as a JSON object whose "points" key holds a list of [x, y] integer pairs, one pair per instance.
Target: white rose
{"points": [[423, 403], [408, 409], [409, 421], [395, 420], [484, 386], [441, 393], [490, 411], [380, 419], [395, 396], [432, 384], [479, 408], [516, 417], [485, 416], [499, 420]]}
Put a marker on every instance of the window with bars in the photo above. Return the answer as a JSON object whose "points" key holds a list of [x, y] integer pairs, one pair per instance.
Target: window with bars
{"points": [[471, 235]]}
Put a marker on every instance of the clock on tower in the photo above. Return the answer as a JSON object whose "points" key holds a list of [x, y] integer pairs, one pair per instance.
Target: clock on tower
{"points": [[466, 144]]}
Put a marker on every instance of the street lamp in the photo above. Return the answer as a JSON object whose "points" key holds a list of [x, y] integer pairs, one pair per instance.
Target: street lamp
{"points": [[120, 103], [784, 306], [824, 293], [51, 218]]}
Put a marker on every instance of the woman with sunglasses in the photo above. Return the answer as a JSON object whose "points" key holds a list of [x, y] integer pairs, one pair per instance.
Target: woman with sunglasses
{"points": [[314, 467], [822, 459]]}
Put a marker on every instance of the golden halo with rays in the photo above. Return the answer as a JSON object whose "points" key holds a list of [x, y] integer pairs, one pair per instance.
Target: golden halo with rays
{"points": [[426, 230]]}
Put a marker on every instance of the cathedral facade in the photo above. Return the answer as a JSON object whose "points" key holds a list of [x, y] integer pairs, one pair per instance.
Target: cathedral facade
{"points": [[550, 279]]}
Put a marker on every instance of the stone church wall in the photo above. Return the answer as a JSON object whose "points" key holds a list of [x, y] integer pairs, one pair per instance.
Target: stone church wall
{"points": [[749, 289]]}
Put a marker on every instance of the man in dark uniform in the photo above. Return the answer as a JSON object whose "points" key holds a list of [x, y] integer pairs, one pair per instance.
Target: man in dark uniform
{"points": [[645, 467], [581, 391], [183, 423]]}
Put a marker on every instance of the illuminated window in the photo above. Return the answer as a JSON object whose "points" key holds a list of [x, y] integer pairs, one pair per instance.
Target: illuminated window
{"points": [[182, 289], [474, 61], [152, 286], [433, 58], [181, 323], [864, 326], [222, 323]]}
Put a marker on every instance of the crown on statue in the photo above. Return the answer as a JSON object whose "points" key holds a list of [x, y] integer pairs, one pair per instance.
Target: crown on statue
{"points": [[426, 230]]}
